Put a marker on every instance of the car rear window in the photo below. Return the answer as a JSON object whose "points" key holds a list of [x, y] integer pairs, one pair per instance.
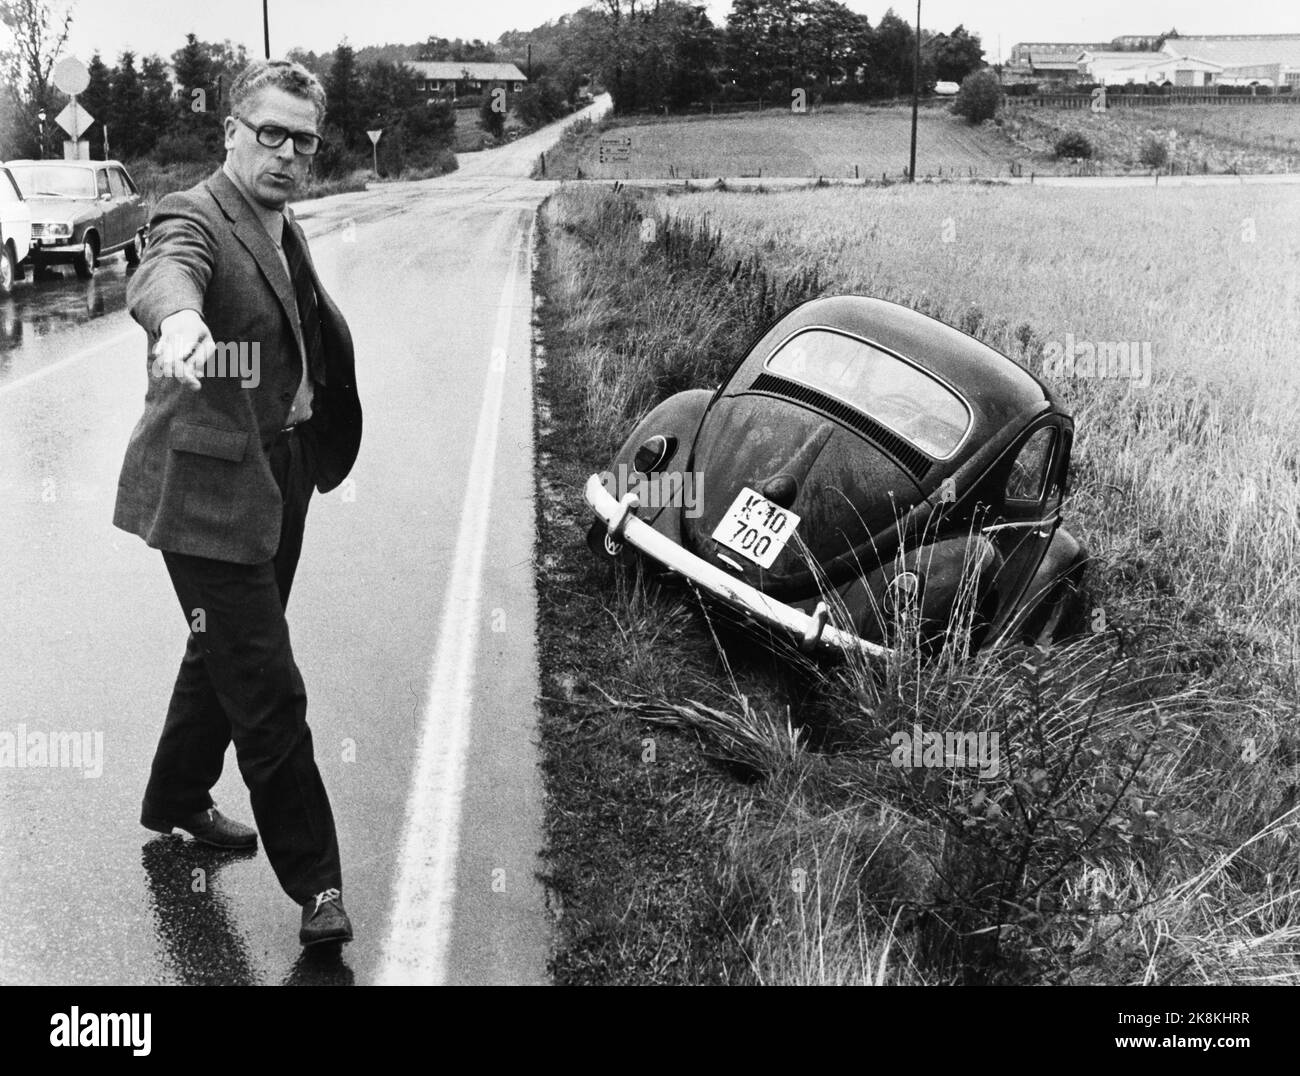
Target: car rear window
{"points": [[896, 394]]}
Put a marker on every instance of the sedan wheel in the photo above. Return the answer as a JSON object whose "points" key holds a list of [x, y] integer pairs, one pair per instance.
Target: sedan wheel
{"points": [[136, 250], [7, 272], [86, 260]]}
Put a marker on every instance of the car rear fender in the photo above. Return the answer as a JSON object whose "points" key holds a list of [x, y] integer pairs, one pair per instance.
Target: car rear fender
{"points": [[938, 574], [663, 501]]}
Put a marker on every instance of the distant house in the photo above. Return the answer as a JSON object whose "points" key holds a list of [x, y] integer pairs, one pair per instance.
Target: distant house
{"points": [[1051, 62], [1112, 68], [447, 78], [1245, 59]]}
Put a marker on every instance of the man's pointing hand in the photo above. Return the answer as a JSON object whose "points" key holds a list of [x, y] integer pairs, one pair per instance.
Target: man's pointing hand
{"points": [[184, 347]]}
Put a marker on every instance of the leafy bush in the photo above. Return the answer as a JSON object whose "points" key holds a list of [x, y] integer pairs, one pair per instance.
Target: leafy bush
{"points": [[1073, 145], [1154, 152], [540, 103], [979, 98]]}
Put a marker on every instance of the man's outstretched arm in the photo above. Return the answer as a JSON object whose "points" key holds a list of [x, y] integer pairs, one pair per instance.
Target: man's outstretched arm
{"points": [[166, 293]]}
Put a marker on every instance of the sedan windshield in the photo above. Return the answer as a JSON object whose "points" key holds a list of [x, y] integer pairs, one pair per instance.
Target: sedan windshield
{"points": [[898, 395], [44, 180]]}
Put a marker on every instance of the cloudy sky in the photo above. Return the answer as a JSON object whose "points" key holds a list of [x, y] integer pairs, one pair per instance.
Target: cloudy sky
{"points": [[160, 25]]}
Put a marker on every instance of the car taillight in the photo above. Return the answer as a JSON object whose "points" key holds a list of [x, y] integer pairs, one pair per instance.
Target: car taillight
{"points": [[652, 453]]}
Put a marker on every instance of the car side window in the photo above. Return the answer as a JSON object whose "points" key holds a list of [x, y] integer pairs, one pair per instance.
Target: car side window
{"points": [[1029, 470], [101, 178], [117, 183], [8, 190]]}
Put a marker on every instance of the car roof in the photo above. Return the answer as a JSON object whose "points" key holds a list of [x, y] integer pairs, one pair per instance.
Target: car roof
{"points": [[68, 164]]}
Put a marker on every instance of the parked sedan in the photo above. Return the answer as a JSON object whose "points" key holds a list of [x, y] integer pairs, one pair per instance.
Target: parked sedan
{"points": [[15, 231], [863, 464], [82, 211]]}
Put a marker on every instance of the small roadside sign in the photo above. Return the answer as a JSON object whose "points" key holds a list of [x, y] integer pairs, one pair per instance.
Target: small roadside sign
{"points": [[74, 119], [615, 149]]}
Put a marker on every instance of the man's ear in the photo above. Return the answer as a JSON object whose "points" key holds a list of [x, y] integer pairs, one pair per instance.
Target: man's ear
{"points": [[231, 125]]}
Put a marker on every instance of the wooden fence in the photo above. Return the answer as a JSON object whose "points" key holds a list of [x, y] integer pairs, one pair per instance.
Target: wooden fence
{"points": [[1149, 100]]}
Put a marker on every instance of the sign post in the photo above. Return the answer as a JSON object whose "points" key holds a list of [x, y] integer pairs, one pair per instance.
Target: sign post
{"points": [[374, 147], [72, 77]]}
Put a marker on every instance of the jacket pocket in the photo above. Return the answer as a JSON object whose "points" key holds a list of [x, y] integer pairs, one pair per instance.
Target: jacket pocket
{"points": [[221, 444]]}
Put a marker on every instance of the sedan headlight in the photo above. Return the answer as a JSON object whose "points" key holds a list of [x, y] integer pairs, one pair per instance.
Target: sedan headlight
{"points": [[54, 230]]}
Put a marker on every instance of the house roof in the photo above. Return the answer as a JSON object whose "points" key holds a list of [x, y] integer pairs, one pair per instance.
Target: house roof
{"points": [[1129, 59], [1240, 50], [481, 72], [1174, 63]]}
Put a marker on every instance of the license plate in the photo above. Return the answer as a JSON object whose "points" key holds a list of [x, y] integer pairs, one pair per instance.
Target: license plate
{"points": [[756, 528]]}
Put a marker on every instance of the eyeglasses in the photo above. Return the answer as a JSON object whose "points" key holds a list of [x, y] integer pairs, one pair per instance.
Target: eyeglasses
{"points": [[273, 137]]}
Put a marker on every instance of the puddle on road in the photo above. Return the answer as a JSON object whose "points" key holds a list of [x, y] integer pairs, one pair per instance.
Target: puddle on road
{"points": [[44, 305]]}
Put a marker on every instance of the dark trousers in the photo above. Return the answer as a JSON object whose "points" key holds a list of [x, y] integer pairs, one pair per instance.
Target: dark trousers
{"points": [[239, 682]]}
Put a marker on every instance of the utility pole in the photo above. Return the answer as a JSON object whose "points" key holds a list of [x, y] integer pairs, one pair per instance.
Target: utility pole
{"points": [[266, 29], [530, 61], [916, 92]]}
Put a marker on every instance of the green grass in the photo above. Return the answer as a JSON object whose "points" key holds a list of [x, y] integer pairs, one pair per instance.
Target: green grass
{"points": [[1143, 829]]}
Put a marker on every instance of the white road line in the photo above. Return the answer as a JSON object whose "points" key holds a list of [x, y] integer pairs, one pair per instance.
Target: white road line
{"points": [[415, 951], [134, 333]]}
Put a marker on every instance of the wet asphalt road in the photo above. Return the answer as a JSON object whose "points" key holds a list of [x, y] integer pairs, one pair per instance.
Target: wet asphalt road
{"points": [[420, 563]]}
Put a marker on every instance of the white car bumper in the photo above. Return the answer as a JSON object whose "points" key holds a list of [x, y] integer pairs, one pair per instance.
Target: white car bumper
{"points": [[810, 631]]}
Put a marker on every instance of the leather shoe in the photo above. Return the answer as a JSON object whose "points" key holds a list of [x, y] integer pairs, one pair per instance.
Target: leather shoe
{"points": [[324, 920], [210, 827]]}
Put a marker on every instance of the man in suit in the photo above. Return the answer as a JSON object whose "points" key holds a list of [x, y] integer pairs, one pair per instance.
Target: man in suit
{"points": [[251, 401]]}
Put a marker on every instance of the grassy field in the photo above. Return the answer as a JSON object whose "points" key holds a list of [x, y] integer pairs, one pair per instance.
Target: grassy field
{"points": [[1205, 138], [848, 141], [1152, 836], [829, 141]]}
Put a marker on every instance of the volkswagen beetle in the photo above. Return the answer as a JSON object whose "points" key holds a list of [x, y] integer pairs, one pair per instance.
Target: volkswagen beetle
{"points": [[860, 459]]}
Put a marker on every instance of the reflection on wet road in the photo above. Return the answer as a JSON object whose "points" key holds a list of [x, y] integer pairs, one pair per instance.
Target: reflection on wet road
{"points": [[49, 304]]}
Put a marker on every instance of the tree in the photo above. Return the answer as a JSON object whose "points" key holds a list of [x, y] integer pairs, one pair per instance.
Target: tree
{"points": [[539, 103], [157, 114], [127, 133], [39, 32], [343, 93], [96, 99], [195, 80], [956, 55], [979, 98], [892, 57]]}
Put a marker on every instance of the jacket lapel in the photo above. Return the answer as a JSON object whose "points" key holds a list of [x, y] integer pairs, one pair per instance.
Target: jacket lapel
{"points": [[249, 231]]}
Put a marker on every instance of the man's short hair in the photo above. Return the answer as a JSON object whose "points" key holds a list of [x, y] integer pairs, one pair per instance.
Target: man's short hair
{"points": [[280, 75]]}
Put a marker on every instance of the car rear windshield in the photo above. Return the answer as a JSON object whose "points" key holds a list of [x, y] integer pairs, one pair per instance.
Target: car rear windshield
{"points": [[898, 395], [42, 180]]}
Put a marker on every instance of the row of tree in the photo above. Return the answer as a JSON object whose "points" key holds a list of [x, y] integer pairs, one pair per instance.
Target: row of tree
{"points": [[174, 110], [650, 54], [668, 54]]}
